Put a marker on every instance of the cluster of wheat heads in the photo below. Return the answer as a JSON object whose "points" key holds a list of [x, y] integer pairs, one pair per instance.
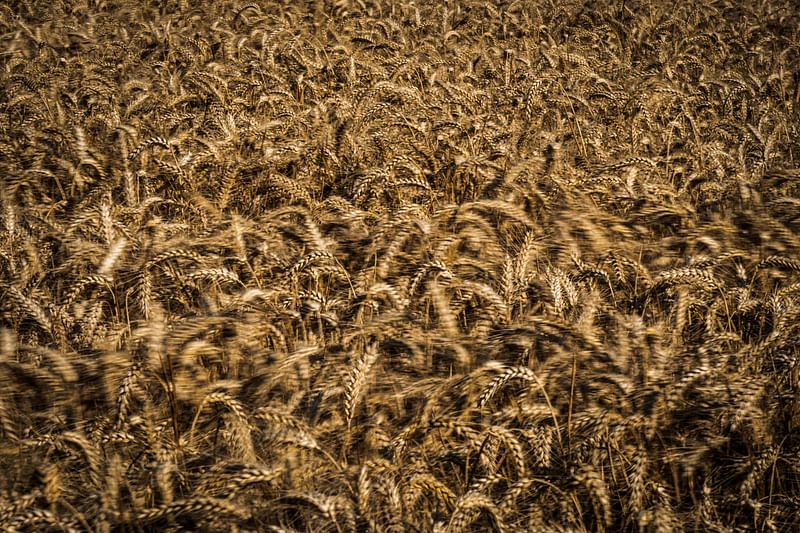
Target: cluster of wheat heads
{"points": [[378, 266]]}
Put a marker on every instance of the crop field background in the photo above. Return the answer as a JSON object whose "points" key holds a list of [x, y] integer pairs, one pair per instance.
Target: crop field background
{"points": [[399, 266]]}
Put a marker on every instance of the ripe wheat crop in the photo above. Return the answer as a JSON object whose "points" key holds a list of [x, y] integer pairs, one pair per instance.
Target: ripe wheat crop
{"points": [[378, 265]]}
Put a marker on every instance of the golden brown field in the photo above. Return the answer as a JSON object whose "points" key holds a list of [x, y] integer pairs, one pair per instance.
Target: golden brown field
{"points": [[374, 265]]}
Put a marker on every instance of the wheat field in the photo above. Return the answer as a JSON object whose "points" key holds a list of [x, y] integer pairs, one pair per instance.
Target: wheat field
{"points": [[390, 266]]}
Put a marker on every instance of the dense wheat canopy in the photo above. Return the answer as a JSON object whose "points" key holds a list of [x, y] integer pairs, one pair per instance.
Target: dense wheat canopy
{"points": [[383, 265]]}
